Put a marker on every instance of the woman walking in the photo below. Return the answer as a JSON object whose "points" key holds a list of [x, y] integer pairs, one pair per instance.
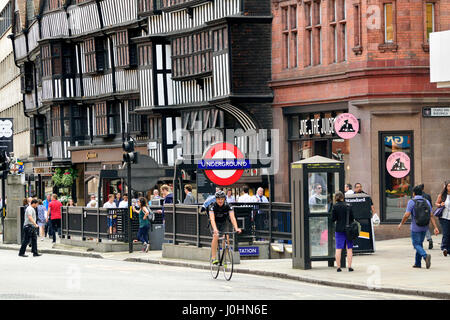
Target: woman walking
{"points": [[144, 223], [443, 200], [42, 219], [339, 215]]}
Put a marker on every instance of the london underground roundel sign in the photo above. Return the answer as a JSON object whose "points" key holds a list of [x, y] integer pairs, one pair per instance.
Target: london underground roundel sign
{"points": [[224, 164]]}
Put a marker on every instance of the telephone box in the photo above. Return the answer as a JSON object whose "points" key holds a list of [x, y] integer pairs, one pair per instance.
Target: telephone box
{"points": [[314, 182]]}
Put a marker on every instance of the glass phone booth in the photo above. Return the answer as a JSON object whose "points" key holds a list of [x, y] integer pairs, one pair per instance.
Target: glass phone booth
{"points": [[314, 183]]}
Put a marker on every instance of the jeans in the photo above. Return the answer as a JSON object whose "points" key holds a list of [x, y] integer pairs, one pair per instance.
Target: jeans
{"points": [[143, 234], [428, 235], [29, 234], [445, 224], [417, 241], [56, 226]]}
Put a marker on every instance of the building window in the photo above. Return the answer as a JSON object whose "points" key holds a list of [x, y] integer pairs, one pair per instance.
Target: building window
{"points": [[54, 4], [27, 83], [46, 61], [138, 122], [145, 55], [192, 55], [126, 51], [101, 120], [89, 55], [290, 39], [56, 121], [5, 18], [357, 47], [96, 52], [388, 23], [155, 128], [430, 23], [79, 120]]}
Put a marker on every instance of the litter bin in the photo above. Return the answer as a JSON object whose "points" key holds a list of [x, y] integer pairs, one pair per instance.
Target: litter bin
{"points": [[156, 236]]}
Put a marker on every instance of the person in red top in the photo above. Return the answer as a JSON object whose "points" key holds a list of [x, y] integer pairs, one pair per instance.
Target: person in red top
{"points": [[54, 210]]}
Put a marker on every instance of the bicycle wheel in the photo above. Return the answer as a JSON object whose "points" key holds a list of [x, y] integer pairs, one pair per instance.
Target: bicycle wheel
{"points": [[228, 263], [214, 268]]}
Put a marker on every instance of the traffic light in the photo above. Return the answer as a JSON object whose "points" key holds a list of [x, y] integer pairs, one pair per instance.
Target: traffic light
{"points": [[130, 155]]}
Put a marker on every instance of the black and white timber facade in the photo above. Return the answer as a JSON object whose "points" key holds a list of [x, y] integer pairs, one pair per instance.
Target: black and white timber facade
{"points": [[90, 68]]}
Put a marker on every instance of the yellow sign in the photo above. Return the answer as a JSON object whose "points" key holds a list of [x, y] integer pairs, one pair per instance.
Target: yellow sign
{"points": [[91, 155], [297, 166], [364, 235]]}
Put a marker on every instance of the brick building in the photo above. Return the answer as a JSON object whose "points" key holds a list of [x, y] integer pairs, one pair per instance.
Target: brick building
{"points": [[371, 59]]}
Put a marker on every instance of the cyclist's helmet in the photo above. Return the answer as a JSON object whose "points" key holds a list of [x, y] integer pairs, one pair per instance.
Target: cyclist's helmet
{"points": [[220, 194]]}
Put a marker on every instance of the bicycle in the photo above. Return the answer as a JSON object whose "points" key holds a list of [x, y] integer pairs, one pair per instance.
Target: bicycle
{"points": [[225, 256]]}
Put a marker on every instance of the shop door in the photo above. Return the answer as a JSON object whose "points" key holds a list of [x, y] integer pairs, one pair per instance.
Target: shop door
{"points": [[395, 191]]}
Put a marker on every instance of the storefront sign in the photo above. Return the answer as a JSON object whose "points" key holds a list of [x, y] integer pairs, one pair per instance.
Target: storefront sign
{"points": [[91, 155], [314, 126], [6, 135], [346, 126], [224, 164], [398, 164], [436, 112]]}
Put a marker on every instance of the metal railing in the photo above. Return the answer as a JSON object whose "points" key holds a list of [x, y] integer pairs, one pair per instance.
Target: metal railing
{"points": [[268, 221], [100, 223]]}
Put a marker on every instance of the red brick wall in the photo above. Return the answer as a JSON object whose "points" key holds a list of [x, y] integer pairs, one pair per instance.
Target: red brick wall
{"points": [[402, 70]]}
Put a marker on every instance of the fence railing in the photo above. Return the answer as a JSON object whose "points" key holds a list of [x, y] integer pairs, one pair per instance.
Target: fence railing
{"points": [[100, 223], [188, 224]]}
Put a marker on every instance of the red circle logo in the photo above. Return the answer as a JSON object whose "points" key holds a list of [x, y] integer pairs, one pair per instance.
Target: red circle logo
{"points": [[221, 151]]}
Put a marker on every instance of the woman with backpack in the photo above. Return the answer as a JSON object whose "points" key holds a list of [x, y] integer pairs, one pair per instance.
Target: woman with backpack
{"points": [[339, 215], [144, 223], [443, 200]]}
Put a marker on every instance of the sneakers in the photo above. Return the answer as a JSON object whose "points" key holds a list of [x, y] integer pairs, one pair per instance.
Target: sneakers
{"points": [[215, 262], [428, 261], [430, 244], [350, 269], [339, 270], [147, 247]]}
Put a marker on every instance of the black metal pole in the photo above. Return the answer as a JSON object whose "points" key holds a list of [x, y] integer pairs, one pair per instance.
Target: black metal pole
{"points": [[130, 202]]}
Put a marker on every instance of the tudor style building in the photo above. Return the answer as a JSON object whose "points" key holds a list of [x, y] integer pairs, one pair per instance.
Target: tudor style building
{"points": [[92, 68]]}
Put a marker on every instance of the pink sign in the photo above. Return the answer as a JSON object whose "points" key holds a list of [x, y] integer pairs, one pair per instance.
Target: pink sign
{"points": [[346, 125], [398, 164]]}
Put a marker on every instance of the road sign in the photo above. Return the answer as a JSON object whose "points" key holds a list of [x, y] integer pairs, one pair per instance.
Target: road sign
{"points": [[224, 164]]}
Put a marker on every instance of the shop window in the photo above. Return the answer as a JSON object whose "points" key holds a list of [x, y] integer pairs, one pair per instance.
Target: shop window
{"points": [[395, 192]]}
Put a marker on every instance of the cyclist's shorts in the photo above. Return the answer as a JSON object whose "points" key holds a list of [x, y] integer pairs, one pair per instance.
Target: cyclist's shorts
{"points": [[222, 227]]}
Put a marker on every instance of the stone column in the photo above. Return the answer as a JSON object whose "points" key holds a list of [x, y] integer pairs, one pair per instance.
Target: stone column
{"points": [[15, 193]]}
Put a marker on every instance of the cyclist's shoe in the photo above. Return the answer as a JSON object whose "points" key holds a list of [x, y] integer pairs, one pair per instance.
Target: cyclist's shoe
{"points": [[215, 262]]}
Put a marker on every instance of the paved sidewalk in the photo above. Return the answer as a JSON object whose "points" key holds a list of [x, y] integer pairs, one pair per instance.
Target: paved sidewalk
{"points": [[389, 269]]}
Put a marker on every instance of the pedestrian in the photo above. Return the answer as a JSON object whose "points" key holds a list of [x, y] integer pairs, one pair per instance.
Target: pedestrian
{"points": [[317, 197], [70, 203], [47, 201], [348, 189], [93, 202], [260, 216], [54, 212], [359, 190], [246, 197], [118, 199], [112, 216], [189, 197], [230, 198], [443, 200], [124, 202], [144, 223], [339, 215], [428, 234], [42, 218], [29, 230], [418, 232]]}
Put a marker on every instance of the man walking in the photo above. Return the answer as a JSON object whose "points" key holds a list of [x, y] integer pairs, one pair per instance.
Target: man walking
{"points": [[30, 230], [54, 211], [415, 209], [189, 197]]}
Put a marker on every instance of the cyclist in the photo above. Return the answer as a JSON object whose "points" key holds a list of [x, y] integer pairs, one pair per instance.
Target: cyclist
{"points": [[220, 214]]}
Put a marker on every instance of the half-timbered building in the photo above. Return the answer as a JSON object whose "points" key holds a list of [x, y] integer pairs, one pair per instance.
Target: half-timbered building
{"points": [[163, 69]]}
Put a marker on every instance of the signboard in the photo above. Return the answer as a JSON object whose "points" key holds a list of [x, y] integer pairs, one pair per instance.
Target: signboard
{"points": [[249, 251], [346, 126], [360, 204], [436, 112], [398, 164], [224, 164], [6, 135]]}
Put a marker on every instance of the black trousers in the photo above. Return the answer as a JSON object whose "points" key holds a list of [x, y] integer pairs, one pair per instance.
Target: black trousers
{"points": [[29, 234], [56, 226]]}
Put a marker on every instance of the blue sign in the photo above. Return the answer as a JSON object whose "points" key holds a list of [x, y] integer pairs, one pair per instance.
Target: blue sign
{"points": [[249, 251], [227, 164]]}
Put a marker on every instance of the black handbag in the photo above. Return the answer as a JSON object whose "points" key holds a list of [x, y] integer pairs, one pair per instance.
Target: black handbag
{"points": [[353, 229]]}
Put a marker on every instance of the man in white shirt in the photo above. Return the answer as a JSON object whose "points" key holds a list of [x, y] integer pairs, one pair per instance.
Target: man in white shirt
{"points": [[29, 230], [124, 202], [348, 189], [93, 202], [112, 216], [246, 197]]}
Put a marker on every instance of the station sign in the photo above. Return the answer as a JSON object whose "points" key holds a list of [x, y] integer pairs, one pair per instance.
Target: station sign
{"points": [[249, 251]]}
